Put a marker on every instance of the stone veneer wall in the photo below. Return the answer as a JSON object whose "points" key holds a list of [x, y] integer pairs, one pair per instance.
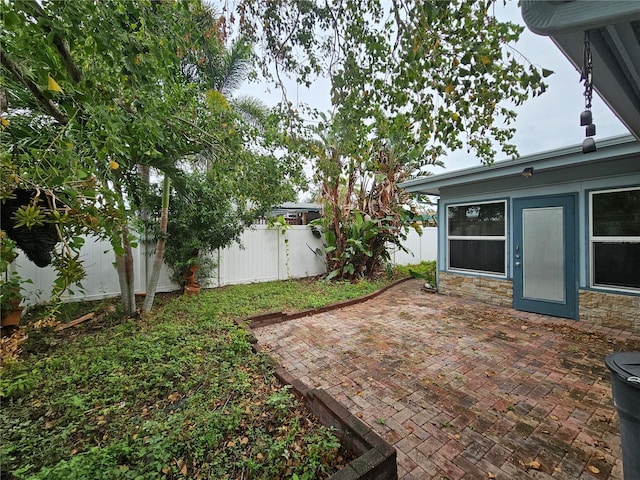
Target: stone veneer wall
{"points": [[597, 308], [485, 289], [610, 310]]}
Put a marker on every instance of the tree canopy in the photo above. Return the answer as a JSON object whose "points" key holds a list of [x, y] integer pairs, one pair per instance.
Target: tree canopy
{"points": [[440, 74], [99, 92], [92, 90], [410, 81]]}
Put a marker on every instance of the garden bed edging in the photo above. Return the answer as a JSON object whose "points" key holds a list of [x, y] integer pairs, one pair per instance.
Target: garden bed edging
{"points": [[376, 459]]}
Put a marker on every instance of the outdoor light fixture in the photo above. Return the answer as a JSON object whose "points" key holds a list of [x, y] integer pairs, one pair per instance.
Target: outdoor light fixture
{"points": [[586, 117], [527, 172]]}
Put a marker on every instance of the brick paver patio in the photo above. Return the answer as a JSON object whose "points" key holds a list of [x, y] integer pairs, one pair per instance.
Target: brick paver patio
{"points": [[465, 390]]}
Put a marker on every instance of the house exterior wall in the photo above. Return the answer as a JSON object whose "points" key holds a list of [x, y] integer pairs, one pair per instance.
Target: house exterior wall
{"points": [[597, 308], [484, 289], [621, 310], [610, 309], [499, 192]]}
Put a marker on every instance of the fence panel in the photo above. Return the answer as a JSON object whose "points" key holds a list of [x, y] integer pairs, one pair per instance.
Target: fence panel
{"points": [[264, 256], [254, 260], [101, 277], [420, 247], [299, 257]]}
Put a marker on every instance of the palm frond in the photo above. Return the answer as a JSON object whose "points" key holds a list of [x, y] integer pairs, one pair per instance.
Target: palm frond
{"points": [[232, 67], [251, 109]]}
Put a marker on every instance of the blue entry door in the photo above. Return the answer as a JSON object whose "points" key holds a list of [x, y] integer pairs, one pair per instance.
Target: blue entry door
{"points": [[544, 256]]}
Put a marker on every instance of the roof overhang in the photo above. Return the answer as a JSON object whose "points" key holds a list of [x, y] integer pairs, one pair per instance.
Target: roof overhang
{"points": [[614, 33], [554, 166], [298, 207]]}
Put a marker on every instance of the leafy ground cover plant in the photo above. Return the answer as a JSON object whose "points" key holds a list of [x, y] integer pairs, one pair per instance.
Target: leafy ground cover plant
{"points": [[424, 270], [177, 395]]}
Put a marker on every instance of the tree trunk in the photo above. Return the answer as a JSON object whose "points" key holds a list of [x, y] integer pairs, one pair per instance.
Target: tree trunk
{"points": [[152, 286], [124, 265]]}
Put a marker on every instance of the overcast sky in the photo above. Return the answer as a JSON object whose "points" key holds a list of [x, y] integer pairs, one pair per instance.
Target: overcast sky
{"points": [[544, 123]]}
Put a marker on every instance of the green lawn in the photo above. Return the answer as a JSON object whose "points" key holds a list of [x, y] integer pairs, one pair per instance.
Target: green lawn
{"points": [[176, 395]]}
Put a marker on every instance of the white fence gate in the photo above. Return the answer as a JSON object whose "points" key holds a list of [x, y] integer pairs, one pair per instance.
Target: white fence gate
{"points": [[263, 255]]}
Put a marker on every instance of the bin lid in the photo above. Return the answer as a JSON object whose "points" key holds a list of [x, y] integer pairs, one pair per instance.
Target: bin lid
{"points": [[626, 365]]}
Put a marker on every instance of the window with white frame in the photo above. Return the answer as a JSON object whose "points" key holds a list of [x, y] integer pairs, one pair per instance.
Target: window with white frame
{"points": [[615, 239], [476, 237]]}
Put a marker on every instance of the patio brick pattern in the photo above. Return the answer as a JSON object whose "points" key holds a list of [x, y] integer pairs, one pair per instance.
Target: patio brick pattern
{"points": [[462, 389]]}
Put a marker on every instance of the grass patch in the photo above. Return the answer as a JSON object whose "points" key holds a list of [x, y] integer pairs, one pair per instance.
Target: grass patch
{"points": [[292, 295], [176, 395]]}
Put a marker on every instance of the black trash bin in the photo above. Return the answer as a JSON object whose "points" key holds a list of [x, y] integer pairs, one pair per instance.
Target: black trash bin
{"points": [[625, 384]]}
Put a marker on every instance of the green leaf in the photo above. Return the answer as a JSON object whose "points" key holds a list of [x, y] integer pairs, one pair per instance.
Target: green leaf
{"points": [[333, 274], [11, 19]]}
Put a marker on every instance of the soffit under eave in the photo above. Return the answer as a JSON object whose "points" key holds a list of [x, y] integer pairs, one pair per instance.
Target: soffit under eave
{"points": [[615, 39], [616, 84], [626, 170]]}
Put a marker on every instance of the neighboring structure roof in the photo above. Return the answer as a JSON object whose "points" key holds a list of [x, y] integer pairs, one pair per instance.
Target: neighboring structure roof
{"points": [[614, 33], [298, 207], [562, 164]]}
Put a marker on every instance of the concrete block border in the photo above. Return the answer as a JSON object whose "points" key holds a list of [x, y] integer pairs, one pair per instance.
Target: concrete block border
{"points": [[376, 459]]}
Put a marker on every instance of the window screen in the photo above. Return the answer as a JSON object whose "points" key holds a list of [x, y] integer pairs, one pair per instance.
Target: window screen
{"points": [[615, 239], [476, 237]]}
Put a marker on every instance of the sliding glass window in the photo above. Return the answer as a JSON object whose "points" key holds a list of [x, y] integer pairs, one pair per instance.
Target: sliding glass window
{"points": [[476, 237], [614, 239]]}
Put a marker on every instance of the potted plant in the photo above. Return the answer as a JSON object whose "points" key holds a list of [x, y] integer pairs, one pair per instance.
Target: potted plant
{"points": [[10, 284], [205, 215], [189, 272], [10, 298], [198, 225], [187, 264]]}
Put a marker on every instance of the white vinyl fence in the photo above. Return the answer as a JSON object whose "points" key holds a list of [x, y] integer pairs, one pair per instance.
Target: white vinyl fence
{"points": [[263, 255]]}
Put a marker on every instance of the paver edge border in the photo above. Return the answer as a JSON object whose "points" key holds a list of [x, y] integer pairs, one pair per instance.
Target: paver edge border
{"points": [[376, 459], [272, 318]]}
